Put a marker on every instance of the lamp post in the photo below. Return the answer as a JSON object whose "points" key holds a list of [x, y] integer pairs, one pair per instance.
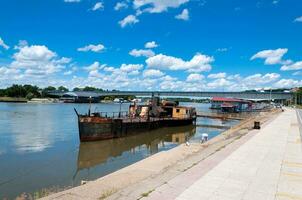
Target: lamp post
{"points": [[119, 113]]}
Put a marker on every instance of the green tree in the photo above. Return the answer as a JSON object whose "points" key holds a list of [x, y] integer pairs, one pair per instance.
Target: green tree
{"points": [[16, 91], [2, 92], [76, 89], [89, 89], [50, 88], [62, 89], [34, 90]]}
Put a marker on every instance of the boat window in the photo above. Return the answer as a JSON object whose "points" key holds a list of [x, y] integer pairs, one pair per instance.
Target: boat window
{"points": [[177, 110]]}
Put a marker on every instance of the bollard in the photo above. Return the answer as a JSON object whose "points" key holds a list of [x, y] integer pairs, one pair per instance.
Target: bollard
{"points": [[256, 125]]}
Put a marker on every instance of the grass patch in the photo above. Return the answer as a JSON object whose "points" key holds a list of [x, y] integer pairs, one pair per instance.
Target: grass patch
{"points": [[107, 193], [145, 194], [12, 99]]}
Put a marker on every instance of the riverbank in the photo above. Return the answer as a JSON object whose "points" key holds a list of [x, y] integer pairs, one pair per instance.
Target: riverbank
{"points": [[13, 99], [142, 177]]}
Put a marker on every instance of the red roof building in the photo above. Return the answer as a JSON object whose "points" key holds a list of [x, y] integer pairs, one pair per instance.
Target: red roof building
{"points": [[236, 104]]}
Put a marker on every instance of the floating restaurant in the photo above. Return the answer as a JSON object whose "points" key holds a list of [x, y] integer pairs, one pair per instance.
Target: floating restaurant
{"points": [[230, 104]]}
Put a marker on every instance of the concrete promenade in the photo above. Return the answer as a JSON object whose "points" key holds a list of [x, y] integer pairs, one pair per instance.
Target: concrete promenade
{"points": [[238, 164], [267, 166]]}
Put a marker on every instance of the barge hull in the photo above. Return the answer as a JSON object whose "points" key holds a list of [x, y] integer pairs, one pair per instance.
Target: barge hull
{"points": [[93, 131]]}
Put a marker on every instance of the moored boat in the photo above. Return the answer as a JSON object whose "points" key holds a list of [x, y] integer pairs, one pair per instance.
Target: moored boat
{"points": [[139, 118]]}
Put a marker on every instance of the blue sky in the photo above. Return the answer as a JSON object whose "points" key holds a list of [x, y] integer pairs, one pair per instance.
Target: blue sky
{"points": [[152, 44]]}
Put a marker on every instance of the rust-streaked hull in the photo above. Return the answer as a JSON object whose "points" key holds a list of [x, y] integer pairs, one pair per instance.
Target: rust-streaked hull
{"points": [[98, 128]]}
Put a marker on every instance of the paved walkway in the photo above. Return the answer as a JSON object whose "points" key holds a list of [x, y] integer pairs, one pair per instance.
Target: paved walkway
{"points": [[267, 166]]}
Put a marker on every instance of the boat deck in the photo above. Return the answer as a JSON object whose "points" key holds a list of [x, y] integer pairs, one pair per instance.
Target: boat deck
{"points": [[152, 119]]}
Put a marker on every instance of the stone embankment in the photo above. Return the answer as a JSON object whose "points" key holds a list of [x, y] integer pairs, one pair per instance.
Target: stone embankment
{"points": [[142, 179]]}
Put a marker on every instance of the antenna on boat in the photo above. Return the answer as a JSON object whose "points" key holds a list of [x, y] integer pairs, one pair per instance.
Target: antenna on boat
{"points": [[89, 105]]}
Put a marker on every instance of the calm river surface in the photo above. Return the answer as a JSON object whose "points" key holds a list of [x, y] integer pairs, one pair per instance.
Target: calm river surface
{"points": [[40, 148]]}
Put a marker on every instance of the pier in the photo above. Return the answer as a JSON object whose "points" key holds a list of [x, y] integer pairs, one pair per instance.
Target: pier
{"points": [[241, 163]]}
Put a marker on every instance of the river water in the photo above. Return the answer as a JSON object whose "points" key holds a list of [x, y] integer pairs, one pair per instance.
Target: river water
{"points": [[40, 148]]}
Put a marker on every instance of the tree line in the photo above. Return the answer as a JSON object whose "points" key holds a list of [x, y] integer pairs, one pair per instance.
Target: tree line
{"points": [[33, 91]]}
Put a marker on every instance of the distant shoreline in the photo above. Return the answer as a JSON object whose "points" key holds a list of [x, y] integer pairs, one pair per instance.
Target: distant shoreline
{"points": [[13, 100], [54, 100]]}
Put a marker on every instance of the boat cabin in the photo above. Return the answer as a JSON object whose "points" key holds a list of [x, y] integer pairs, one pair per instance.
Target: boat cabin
{"points": [[182, 112]]}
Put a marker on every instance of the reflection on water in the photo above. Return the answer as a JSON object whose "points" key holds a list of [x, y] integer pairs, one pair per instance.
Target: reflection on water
{"points": [[39, 146], [96, 153]]}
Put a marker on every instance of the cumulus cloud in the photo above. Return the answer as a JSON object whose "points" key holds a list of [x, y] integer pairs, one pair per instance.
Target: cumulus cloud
{"points": [[194, 77], [92, 47], [98, 6], [38, 59], [157, 6], [298, 19], [72, 1], [287, 83], [129, 20], [184, 15], [258, 79], [120, 6], [2, 44], [35, 64], [94, 66], [294, 66], [141, 52], [198, 63], [297, 73], [218, 75], [131, 67], [151, 45], [272, 56], [69, 72], [219, 83], [153, 73]]}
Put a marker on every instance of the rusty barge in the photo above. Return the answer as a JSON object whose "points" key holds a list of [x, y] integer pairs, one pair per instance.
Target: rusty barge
{"points": [[139, 118]]}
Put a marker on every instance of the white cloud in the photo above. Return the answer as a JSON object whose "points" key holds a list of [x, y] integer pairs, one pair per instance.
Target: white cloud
{"points": [[218, 75], [68, 73], [272, 56], [129, 20], [157, 6], [198, 63], [95, 66], [259, 79], [184, 15], [275, 2], [236, 77], [38, 59], [95, 73], [141, 52], [298, 73], [91, 47], [151, 45], [98, 6], [222, 49], [195, 77], [120, 6], [21, 43], [34, 64], [153, 73], [294, 66], [2, 44], [8, 71], [298, 19], [72, 1], [287, 83], [131, 67], [219, 83]]}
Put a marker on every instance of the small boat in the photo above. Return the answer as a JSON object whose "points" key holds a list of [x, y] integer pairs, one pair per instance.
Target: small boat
{"points": [[139, 118]]}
